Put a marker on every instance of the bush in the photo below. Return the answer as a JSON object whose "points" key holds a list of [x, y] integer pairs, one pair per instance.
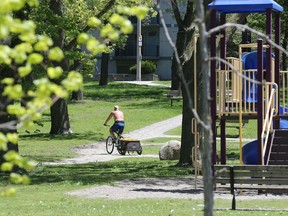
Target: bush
{"points": [[147, 67]]}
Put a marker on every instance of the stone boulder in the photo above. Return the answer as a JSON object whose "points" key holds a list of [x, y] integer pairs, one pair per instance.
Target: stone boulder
{"points": [[170, 151]]}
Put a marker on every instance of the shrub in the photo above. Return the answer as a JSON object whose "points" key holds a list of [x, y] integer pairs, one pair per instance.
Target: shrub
{"points": [[146, 67]]}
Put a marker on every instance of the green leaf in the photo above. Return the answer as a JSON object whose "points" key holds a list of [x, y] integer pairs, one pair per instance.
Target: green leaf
{"points": [[43, 44], [6, 166], [28, 37], [54, 73], [109, 32], [116, 19], [94, 22], [5, 53], [73, 82], [35, 58], [126, 27], [9, 192], [94, 46], [25, 179], [7, 81], [16, 4], [123, 10], [55, 54], [29, 165], [140, 11], [33, 3], [25, 70], [16, 109], [13, 92], [3, 142], [16, 178], [12, 156], [4, 31], [82, 38], [13, 138]]}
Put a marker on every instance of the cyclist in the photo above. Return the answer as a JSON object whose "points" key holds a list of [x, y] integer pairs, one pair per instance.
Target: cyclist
{"points": [[118, 125]]}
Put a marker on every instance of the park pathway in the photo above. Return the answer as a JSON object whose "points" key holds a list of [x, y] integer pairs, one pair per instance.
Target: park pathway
{"points": [[96, 152], [157, 129]]}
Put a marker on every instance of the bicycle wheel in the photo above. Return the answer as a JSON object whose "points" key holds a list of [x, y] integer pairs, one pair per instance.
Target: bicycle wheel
{"points": [[122, 151], [109, 145], [139, 152], [121, 146]]}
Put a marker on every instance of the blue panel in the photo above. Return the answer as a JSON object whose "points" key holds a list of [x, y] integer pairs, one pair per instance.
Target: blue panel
{"points": [[244, 6]]}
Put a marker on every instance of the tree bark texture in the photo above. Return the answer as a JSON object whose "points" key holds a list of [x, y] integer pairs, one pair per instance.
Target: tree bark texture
{"points": [[77, 95], [104, 69], [182, 41], [60, 123], [184, 46], [207, 138]]}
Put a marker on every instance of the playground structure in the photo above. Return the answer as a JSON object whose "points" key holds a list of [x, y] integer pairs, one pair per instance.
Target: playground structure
{"points": [[248, 87]]}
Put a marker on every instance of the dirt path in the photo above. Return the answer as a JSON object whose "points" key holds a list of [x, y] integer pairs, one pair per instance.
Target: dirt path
{"points": [[184, 188]]}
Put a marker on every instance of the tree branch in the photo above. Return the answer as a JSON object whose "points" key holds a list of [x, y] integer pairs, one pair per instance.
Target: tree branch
{"points": [[189, 16], [107, 7], [177, 13]]}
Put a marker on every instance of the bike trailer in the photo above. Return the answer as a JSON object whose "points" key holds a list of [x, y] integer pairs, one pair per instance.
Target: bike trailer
{"points": [[131, 144]]}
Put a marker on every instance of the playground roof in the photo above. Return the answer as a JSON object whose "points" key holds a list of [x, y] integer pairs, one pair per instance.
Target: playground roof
{"points": [[244, 6]]}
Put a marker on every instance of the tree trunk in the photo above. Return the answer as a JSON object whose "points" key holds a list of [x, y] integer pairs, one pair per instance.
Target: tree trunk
{"points": [[104, 69], [77, 95], [207, 138], [187, 138], [184, 73], [175, 79], [60, 123]]}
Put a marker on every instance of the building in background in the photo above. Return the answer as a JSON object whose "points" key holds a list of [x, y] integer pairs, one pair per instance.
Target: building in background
{"points": [[155, 47]]}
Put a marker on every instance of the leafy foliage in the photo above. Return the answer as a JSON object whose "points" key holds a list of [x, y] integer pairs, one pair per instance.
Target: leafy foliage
{"points": [[38, 51], [147, 67]]}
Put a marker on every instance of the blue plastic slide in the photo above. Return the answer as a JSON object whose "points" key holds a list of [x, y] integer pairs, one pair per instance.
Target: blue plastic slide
{"points": [[283, 122], [250, 61], [250, 153], [250, 150]]}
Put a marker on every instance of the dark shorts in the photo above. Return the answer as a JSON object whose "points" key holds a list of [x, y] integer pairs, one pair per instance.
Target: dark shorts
{"points": [[118, 127]]}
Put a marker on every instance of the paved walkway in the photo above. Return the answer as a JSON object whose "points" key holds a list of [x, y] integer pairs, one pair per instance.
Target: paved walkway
{"points": [[157, 129], [150, 83], [96, 152]]}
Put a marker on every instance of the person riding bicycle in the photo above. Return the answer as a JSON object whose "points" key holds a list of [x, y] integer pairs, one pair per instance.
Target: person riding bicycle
{"points": [[118, 126]]}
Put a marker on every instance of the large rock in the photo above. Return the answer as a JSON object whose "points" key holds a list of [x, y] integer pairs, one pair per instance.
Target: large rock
{"points": [[170, 151]]}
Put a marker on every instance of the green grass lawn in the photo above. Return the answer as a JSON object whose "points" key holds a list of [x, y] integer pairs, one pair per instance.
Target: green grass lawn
{"points": [[142, 105]]}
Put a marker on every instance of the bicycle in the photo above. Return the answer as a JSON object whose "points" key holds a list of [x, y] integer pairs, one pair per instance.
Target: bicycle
{"points": [[112, 142], [122, 145]]}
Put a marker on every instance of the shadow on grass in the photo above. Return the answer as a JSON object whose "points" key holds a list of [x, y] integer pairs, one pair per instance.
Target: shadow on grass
{"points": [[233, 156], [89, 135], [100, 173], [123, 91]]}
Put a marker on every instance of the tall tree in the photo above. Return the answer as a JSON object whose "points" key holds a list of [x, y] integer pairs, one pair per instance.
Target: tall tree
{"points": [[63, 20], [22, 52], [185, 73], [60, 123]]}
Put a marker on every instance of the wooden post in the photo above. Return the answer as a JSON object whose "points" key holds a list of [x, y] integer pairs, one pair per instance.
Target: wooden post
{"points": [[260, 98], [223, 66]]}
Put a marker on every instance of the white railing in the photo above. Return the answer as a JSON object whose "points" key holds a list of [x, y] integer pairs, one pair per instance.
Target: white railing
{"points": [[235, 91], [270, 105], [284, 90]]}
